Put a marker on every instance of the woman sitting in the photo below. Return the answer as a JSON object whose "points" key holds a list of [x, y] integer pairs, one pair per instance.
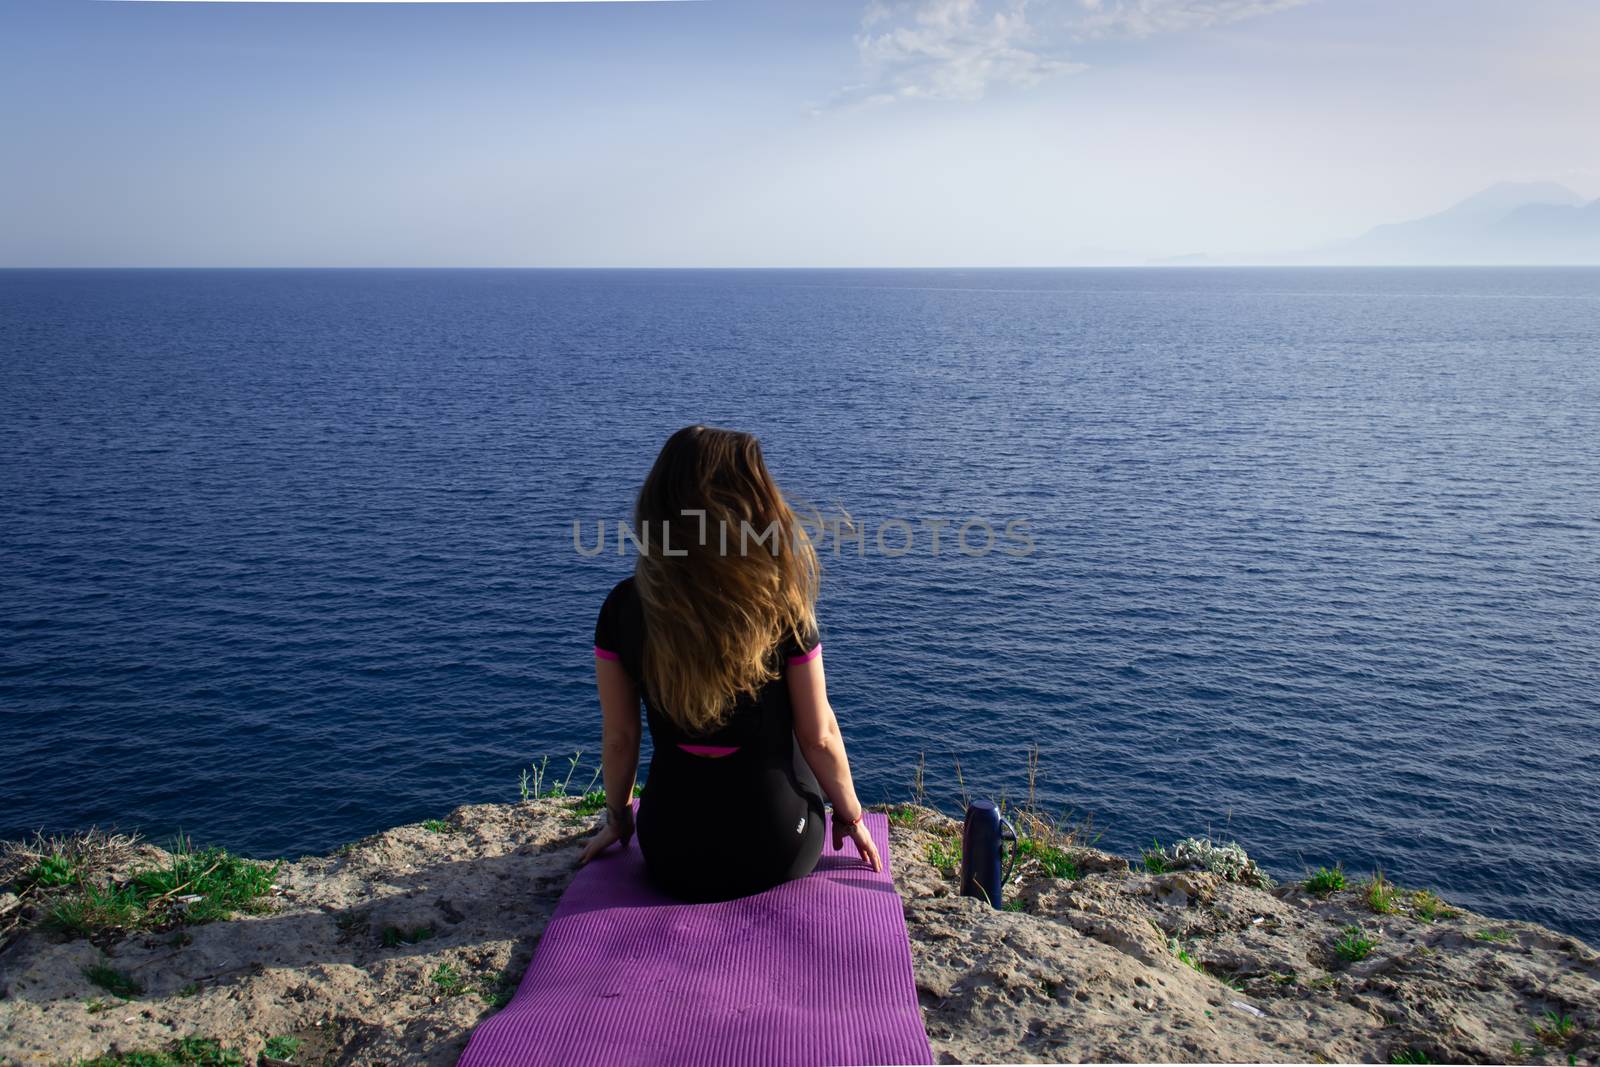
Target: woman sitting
{"points": [[716, 631]]}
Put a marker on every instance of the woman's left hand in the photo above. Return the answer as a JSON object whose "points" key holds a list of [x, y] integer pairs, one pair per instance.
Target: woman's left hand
{"points": [[614, 830], [598, 843]]}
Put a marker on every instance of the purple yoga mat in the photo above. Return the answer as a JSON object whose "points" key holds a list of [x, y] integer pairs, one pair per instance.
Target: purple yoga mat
{"points": [[811, 972]]}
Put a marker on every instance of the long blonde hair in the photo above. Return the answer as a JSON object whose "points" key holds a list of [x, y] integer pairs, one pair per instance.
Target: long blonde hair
{"points": [[719, 594]]}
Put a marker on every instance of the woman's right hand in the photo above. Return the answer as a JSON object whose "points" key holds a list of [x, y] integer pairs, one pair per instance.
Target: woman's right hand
{"points": [[866, 848]]}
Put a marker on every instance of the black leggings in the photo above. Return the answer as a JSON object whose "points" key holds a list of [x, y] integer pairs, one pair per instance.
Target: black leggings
{"points": [[702, 849]]}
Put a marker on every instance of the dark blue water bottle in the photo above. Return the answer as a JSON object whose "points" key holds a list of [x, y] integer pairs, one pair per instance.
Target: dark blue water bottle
{"points": [[982, 836]]}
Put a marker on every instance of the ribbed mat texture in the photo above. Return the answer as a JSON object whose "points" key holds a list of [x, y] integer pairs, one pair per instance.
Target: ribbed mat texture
{"points": [[812, 972]]}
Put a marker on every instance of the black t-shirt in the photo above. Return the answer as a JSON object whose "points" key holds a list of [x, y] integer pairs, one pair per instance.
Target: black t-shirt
{"points": [[746, 781], [764, 722]]}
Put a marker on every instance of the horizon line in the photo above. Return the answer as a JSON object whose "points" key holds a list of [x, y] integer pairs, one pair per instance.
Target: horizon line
{"points": [[814, 267]]}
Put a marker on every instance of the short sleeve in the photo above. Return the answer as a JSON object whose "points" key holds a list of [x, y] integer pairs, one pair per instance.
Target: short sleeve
{"points": [[804, 650], [606, 637]]}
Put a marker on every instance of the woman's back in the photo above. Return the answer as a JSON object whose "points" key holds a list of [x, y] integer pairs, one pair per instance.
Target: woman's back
{"points": [[747, 777]]}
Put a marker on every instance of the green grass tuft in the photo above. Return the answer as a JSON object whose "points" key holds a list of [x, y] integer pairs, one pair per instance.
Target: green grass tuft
{"points": [[190, 1052], [1555, 1029], [394, 936], [1381, 895], [943, 855], [1409, 1055], [117, 983], [1428, 907], [1054, 861], [282, 1048], [438, 826], [1498, 937], [903, 815], [449, 980], [591, 803], [1325, 880], [1155, 858], [1183, 954], [54, 870], [1353, 945], [225, 884]]}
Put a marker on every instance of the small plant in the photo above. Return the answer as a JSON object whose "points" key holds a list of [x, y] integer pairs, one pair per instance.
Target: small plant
{"points": [[1325, 880], [449, 980], [352, 923], [95, 907], [1428, 907], [572, 767], [1409, 1055], [942, 855], [53, 870], [1555, 1029], [190, 887], [1228, 859], [1052, 860], [1229, 980], [51, 861], [117, 983], [394, 936], [1381, 894], [903, 815], [1014, 905], [189, 1052], [591, 802], [1519, 1050], [1498, 937], [1048, 987], [1183, 954], [282, 1048], [94, 1006], [437, 826], [1353, 945], [1155, 858], [190, 990]]}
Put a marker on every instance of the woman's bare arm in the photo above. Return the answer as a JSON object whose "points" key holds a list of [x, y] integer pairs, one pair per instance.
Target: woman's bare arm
{"points": [[620, 730], [817, 730]]}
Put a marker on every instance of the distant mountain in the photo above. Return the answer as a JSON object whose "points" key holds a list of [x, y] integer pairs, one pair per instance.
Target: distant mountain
{"points": [[1513, 222]]}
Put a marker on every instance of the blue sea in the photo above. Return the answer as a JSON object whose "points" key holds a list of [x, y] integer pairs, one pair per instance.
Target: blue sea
{"points": [[287, 557]]}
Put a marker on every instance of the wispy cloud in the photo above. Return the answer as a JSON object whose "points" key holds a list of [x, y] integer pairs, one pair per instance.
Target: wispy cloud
{"points": [[948, 50], [1145, 18], [960, 49]]}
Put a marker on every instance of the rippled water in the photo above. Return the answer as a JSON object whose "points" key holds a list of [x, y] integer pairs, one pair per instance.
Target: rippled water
{"points": [[287, 556]]}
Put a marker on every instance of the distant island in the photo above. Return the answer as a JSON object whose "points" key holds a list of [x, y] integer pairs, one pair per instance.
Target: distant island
{"points": [[1507, 224]]}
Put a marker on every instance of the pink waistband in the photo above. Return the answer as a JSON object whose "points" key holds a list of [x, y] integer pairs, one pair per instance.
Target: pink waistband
{"points": [[605, 653], [708, 750]]}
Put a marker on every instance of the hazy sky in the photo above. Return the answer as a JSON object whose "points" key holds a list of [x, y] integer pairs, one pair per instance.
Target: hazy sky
{"points": [[756, 132]]}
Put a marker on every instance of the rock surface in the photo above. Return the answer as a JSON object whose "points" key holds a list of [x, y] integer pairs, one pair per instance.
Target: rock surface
{"points": [[1117, 964]]}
